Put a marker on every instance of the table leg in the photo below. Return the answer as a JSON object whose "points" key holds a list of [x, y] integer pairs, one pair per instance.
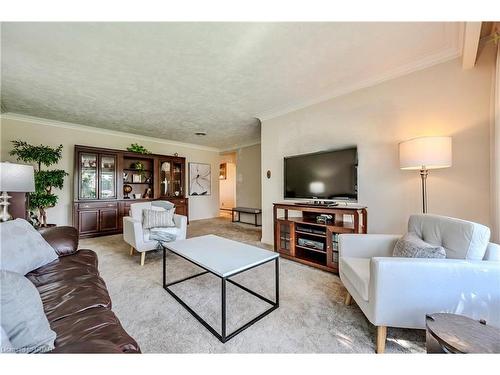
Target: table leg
{"points": [[277, 277], [164, 266], [223, 329]]}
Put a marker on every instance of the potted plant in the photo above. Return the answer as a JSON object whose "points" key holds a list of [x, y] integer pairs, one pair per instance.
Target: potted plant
{"points": [[45, 180], [134, 147]]}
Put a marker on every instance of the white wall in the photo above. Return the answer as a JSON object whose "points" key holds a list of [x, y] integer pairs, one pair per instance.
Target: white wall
{"points": [[441, 100], [40, 131], [248, 181]]}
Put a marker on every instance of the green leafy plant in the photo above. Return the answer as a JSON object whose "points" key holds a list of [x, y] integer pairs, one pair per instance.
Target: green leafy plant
{"points": [[45, 180], [140, 168], [134, 147]]}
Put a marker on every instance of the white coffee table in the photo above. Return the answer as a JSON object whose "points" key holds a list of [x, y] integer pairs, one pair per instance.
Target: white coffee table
{"points": [[223, 258]]}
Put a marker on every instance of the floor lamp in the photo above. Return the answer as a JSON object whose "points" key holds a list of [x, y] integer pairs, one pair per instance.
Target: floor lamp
{"points": [[422, 154]]}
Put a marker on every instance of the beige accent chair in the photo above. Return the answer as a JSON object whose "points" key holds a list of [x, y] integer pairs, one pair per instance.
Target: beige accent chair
{"points": [[138, 238]]}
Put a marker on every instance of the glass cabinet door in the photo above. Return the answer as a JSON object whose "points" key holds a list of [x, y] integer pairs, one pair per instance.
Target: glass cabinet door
{"points": [[107, 177], [176, 179], [165, 178], [88, 176]]}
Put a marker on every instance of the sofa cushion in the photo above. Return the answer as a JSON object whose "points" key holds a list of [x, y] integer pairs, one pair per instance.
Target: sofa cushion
{"points": [[61, 299], [94, 324], [461, 239], [22, 248], [22, 315], [357, 270], [70, 285], [412, 246], [82, 263]]}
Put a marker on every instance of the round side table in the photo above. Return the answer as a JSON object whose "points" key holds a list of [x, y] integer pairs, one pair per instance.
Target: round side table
{"points": [[451, 333]]}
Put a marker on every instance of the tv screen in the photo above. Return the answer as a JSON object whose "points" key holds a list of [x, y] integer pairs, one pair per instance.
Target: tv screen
{"points": [[323, 175]]}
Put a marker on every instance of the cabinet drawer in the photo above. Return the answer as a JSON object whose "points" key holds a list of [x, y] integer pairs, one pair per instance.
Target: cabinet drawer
{"points": [[94, 205]]}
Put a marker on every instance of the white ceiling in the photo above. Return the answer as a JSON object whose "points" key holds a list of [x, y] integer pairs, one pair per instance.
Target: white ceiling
{"points": [[170, 80]]}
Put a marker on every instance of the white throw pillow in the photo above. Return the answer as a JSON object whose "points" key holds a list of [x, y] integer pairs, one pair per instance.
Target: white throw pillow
{"points": [[5, 344], [22, 316], [22, 248]]}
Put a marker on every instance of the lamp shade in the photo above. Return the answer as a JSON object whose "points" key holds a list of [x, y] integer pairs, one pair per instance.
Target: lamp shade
{"points": [[16, 177], [425, 153]]}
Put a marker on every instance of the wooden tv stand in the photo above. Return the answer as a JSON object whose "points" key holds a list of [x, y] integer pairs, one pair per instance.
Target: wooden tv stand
{"points": [[289, 229]]}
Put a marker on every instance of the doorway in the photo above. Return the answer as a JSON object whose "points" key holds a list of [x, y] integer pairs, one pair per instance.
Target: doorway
{"points": [[227, 184]]}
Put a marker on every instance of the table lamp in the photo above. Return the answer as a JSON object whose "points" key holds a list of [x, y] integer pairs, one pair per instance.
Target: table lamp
{"points": [[14, 178], [425, 153]]}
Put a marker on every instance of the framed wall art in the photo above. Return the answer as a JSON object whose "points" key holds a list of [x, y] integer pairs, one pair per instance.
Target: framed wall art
{"points": [[200, 179]]}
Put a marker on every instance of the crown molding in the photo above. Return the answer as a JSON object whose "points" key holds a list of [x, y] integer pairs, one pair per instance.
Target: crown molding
{"points": [[447, 55], [452, 51], [236, 148], [73, 126]]}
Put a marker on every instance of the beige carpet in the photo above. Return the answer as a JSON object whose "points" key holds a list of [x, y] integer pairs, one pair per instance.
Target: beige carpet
{"points": [[311, 318]]}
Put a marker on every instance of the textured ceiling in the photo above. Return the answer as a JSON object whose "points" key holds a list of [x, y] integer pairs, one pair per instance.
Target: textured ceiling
{"points": [[170, 80]]}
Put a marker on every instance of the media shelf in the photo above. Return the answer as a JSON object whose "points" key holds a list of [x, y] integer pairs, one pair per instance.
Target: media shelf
{"points": [[298, 236]]}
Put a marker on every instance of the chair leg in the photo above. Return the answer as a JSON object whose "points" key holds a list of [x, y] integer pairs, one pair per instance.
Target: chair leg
{"points": [[348, 299], [381, 337], [143, 258], [131, 250]]}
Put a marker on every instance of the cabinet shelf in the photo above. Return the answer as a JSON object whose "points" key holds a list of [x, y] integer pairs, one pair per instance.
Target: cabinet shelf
{"points": [[136, 170], [289, 229], [310, 233], [311, 249]]}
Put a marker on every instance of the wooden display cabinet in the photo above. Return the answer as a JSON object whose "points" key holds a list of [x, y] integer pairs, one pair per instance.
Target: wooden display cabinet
{"points": [[100, 175]]}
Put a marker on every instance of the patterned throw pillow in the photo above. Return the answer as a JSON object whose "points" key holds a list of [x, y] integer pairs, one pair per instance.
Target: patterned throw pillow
{"points": [[157, 218], [412, 246]]}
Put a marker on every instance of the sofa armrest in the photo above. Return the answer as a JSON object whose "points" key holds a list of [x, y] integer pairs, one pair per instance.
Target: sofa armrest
{"points": [[181, 223], [367, 245], [63, 239], [403, 290], [492, 252]]}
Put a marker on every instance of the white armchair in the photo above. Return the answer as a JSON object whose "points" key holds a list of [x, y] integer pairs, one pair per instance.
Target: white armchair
{"points": [[399, 292], [138, 238]]}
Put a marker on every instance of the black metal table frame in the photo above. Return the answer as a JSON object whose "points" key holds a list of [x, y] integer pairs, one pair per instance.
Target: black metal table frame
{"points": [[239, 212], [223, 336]]}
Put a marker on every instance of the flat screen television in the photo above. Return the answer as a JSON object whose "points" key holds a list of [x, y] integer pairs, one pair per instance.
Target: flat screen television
{"points": [[328, 175]]}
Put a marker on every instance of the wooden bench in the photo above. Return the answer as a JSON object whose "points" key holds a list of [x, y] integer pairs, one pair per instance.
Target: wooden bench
{"points": [[245, 210]]}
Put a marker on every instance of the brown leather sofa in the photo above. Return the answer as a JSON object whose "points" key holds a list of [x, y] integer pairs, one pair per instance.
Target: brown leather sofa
{"points": [[76, 301]]}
